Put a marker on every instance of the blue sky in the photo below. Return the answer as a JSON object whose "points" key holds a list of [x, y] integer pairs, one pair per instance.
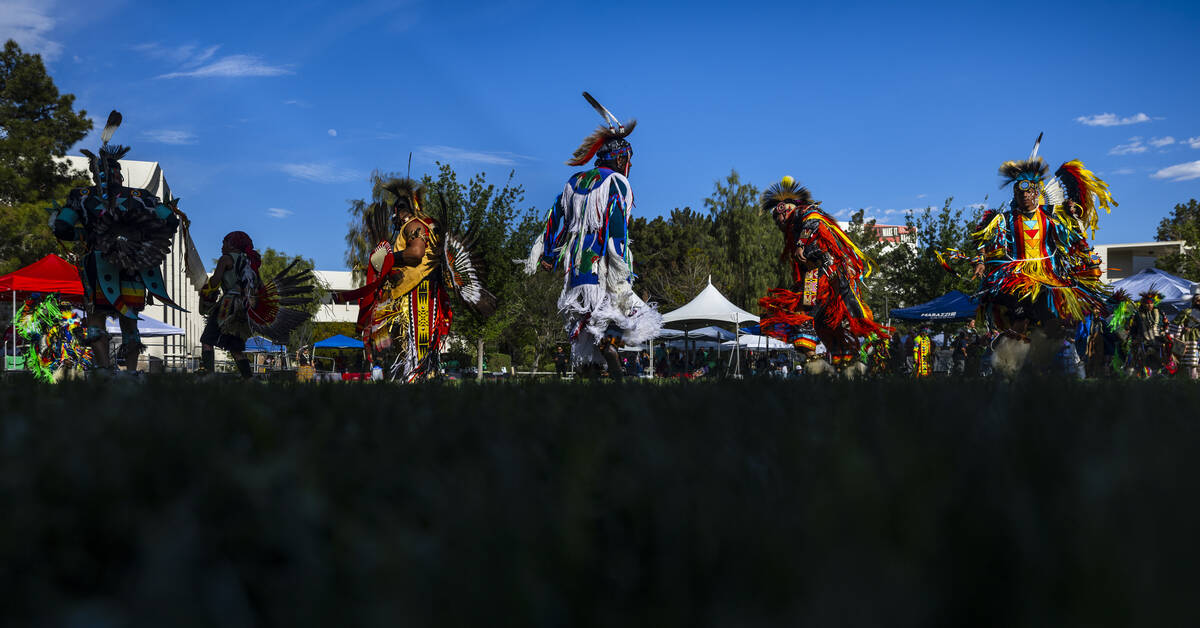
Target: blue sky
{"points": [[268, 118]]}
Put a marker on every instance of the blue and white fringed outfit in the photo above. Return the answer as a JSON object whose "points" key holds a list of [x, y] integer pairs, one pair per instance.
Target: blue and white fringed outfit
{"points": [[586, 235]]}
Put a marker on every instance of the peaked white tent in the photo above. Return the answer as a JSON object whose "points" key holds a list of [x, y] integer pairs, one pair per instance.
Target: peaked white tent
{"points": [[707, 309], [710, 307]]}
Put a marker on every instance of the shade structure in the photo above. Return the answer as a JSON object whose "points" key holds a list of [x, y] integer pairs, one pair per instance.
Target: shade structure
{"points": [[258, 344], [148, 327], [338, 342], [1176, 291], [758, 343], [704, 333], [710, 307], [49, 274], [953, 305]]}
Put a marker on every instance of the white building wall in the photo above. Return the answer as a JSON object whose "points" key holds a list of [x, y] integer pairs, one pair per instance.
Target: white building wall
{"points": [[336, 280]]}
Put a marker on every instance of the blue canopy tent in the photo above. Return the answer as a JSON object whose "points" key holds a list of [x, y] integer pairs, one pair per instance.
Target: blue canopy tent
{"points": [[258, 344], [339, 342], [1176, 291], [953, 305]]}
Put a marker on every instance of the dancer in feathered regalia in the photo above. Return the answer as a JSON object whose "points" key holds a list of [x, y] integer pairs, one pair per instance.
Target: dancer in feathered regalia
{"points": [[1147, 331], [922, 354], [825, 304], [125, 234], [239, 304], [1185, 335], [1034, 259], [55, 337], [586, 236], [403, 310]]}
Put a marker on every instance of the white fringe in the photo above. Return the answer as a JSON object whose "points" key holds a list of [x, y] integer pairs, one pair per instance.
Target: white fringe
{"points": [[609, 305]]}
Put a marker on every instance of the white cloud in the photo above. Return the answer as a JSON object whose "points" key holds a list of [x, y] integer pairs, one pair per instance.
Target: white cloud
{"points": [[1180, 172], [1194, 142], [332, 132], [320, 173], [922, 195], [232, 66], [167, 136], [297, 103], [450, 153], [1122, 171], [1159, 142], [278, 212], [28, 22], [1135, 145], [1111, 119]]}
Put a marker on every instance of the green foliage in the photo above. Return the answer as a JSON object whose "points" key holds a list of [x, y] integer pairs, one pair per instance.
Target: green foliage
{"points": [[600, 505], [1182, 224], [910, 274], [674, 257], [24, 235], [747, 241], [37, 124]]}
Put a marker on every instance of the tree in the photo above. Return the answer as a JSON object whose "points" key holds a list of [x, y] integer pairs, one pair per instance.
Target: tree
{"points": [[747, 241], [912, 273], [37, 124], [1183, 224], [673, 258]]}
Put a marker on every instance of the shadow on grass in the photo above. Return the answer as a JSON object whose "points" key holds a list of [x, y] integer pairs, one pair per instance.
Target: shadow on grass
{"points": [[756, 503]]}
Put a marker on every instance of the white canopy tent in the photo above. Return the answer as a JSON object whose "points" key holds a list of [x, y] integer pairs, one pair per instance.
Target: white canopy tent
{"points": [[707, 309], [758, 343]]}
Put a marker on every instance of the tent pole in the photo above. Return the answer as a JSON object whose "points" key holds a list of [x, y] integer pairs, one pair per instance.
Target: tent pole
{"points": [[14, 331], [651, 358]]}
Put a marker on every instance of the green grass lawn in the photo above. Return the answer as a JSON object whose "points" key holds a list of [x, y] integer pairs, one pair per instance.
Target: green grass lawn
{"points": [[754, 503]]}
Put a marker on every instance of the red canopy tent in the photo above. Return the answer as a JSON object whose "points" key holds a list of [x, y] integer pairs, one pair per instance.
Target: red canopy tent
{"points": [[49, 274]]}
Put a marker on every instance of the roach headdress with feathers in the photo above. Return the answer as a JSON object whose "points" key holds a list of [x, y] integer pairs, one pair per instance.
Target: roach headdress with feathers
{"points": [[110, 154], [607, 142], [787, 191]]}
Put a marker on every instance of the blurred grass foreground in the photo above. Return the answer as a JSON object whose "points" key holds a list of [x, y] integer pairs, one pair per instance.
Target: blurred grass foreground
{"points": [[756, 503]]}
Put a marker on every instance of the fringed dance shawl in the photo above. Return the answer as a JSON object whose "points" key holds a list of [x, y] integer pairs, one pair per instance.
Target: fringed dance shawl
{"points": [[586, 235]]}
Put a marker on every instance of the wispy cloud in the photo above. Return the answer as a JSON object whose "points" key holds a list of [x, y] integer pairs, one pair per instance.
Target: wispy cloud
{"points": [[390, 135], [320, 173], [922, 195], [28, 23], [1180, 172], [1134, 146], [450, 153], [1159, 142], [1120, 171], [279, 212], [167, 136], [297, 103], [1194, 142], [232, 66], [1111, 119], [332, 132]]}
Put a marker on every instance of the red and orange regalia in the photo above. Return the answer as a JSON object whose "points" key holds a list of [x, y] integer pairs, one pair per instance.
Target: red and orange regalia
{"points": [[825, 304]]}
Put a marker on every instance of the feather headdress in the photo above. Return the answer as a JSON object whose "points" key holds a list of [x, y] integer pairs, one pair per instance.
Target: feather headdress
{"points": [[1032, 170], [787, 190], [398, 188], [608, 140], [1151, 296], [110, 154]]}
